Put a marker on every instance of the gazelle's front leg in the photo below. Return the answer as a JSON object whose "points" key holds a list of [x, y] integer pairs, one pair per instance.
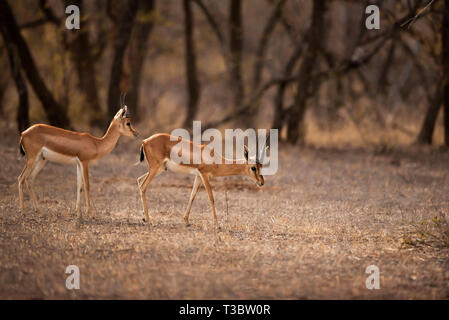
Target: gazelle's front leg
{"points": [[206, 183], [196, 186], [79, 186], [85, 171]]}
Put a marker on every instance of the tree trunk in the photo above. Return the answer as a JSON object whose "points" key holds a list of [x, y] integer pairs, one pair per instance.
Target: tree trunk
{"points": [[121, 43], [305, 86], [82, 57], [236, 47], [445, 63], [138, 48], [190, 65], [263, 42], [11, 34], [425, 135], [23, 120], [279, 112]]}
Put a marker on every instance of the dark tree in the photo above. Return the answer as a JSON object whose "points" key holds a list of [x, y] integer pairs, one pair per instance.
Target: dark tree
{"points": [[279, 110], [138, 48], [305, 84], [445, 63], [425, 135], [23, 120], [81, 55], [235, 48], [121, 43], [263, 42], [190, 65], [11, 35]]}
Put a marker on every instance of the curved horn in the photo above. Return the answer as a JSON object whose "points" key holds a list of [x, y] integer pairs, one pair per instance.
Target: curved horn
{"points": [[257, 148], [262, 156]]}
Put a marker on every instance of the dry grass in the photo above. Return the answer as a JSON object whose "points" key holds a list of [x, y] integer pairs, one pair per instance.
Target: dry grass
{"points": [[310, 232]]}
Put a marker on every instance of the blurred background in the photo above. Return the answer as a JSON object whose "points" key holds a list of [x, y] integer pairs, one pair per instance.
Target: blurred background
{"points": [[355, 186], [309, 68]]}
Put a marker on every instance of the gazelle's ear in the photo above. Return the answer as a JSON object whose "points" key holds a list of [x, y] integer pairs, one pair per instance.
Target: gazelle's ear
{"points": [[245, 153], [125, 111]]}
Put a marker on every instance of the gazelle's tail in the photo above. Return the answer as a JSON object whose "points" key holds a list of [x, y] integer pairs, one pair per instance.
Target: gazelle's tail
{"points": [[142, 156], [22, 152]]}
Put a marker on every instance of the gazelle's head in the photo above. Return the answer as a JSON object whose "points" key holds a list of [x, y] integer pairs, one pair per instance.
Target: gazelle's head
{"points": [[123, 121], [253, 170]]}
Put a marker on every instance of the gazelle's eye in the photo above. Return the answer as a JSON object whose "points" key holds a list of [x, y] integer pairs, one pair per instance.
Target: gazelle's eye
{"points": [[128, 124], [253, 168]]}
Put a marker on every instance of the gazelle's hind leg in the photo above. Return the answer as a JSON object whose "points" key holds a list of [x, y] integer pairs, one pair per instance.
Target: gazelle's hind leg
{"points": [[26, 172], [143, 183], [141, 178], [38, 165], [206, 183], [196, 186]]}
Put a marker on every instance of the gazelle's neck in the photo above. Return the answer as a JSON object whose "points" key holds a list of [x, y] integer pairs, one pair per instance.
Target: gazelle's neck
{"points": [[237, 167], [107, 143]]}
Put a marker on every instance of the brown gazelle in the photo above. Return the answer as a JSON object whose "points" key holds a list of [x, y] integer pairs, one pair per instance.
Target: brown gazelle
{"points": [[41, 143], [157, 150]]}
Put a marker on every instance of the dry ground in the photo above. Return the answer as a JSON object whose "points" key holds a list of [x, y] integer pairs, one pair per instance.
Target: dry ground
{"points": [[310, 232]]}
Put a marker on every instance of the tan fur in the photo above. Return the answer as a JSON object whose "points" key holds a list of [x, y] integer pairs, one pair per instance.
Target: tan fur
{"points": [[43, 143], [157, 151]]}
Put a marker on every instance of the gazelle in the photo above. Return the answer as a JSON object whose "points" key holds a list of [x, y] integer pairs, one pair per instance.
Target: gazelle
{"points": [[41, 143], [157, 149]]}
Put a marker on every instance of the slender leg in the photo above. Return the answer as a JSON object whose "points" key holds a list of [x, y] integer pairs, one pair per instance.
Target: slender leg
{"points": [[79, 187], [39, 164], [139, 179], [22, 179], [196, 186], [206, 183], [143, 185], [85, 171]]}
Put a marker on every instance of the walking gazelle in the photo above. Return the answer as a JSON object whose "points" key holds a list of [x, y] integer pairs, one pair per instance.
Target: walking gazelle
{"points": [[157, 151], [41, 143]]}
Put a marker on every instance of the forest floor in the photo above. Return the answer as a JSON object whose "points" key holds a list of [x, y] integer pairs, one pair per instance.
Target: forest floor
{"points": [[310, 232]]}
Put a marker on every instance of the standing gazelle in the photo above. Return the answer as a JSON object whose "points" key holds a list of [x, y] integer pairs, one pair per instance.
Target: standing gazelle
{"points": [[157, 150], [42, 143]]}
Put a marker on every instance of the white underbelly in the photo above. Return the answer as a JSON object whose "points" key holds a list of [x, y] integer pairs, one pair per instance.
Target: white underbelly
{"points": [[57, 157], [177, 168]]}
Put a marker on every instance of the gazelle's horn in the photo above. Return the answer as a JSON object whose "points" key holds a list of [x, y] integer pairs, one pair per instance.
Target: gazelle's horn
{"points": [[262, 156], [257, 148]]}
